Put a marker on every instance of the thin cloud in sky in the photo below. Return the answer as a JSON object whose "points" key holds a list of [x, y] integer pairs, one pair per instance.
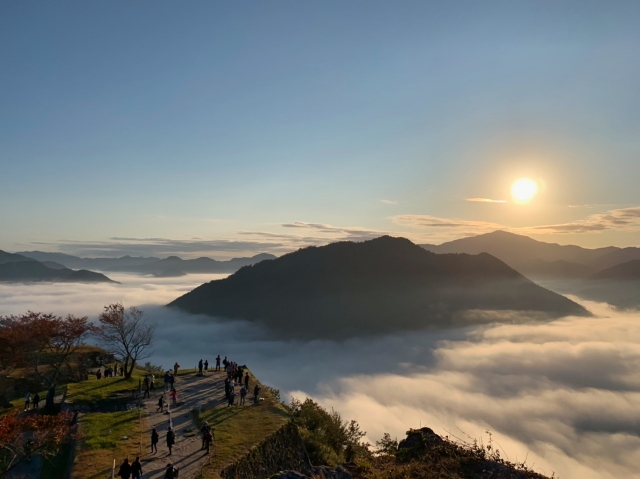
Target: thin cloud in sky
{"points": [[485, 200], [623, 219], [389, 202]]}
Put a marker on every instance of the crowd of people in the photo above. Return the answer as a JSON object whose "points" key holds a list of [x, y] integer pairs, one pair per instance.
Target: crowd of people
{"points": [[237, 383]]}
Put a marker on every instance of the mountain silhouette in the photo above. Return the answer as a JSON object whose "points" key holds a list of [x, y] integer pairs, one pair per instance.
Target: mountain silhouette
{"points": [[18, 268], [147, 265], [381, 285], [537, 258], [629, 271]]}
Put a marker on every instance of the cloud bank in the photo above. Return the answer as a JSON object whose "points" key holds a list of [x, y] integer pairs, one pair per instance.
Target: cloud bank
{"points": [[566, 393]]}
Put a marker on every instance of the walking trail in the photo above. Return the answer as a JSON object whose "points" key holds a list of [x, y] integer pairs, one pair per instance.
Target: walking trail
{"points": [[193, 392]]}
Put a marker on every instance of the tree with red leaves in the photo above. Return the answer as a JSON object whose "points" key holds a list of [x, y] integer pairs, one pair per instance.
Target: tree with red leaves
{"points": [[26, 434]]}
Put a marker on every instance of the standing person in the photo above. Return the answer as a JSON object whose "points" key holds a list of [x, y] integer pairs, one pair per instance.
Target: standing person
{"points": [[146, 387], [125, 469], [175, 368], [256, 393], [36, 401], [154, 441], [171, 439], [200, 367], [152, 378], [136, 469], [243, 393], [246, 381], [225, 363], [160, 404], [172, 379], [232, 398], [218, 363], [205, 429], [27, 400], [206, 364], [207, 441], [174, 397]]}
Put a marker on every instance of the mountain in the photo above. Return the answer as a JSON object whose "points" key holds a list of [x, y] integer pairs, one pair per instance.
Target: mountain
{"points": [[21, 271], [381, 285], [629, 271], [200, 265], [147, 265], [123, 263], [18, 268], [531, 257]]}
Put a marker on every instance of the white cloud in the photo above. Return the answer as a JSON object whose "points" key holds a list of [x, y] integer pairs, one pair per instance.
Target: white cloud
{"points": [[389, 202], [484, 200]]}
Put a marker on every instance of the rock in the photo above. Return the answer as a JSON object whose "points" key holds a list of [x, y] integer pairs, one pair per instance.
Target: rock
{"points": [[418, 441], [317, 472]]}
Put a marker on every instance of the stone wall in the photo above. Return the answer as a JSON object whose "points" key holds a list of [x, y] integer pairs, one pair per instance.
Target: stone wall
{"points": [[282, 450]]}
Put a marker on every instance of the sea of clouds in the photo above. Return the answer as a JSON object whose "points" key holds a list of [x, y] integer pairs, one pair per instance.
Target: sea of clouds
{"points": [[564, 394]]}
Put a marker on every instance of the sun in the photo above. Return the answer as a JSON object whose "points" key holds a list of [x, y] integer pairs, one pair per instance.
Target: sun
{"points": [[523, 190]]}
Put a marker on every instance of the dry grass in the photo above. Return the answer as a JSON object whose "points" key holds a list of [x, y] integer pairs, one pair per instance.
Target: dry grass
{"points": [[239, 428]]}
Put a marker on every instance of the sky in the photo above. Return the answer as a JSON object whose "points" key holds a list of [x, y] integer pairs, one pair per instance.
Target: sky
{"points": [[230, 128]]}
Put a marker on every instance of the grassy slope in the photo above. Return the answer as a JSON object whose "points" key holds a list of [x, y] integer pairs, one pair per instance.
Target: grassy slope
{"points": [[239, 428], [103, 431]]}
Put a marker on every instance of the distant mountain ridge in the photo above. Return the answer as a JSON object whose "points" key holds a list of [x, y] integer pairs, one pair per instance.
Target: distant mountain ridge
{"points": [[376, 286], [18, 268], [532, 257], [149, 265]]}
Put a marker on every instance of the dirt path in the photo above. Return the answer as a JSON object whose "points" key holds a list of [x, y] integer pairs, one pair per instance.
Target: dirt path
{"points": [[193, 392]]}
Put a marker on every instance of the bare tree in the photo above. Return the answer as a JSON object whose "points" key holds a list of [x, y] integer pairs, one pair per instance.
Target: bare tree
{"points": [[126, 334]]}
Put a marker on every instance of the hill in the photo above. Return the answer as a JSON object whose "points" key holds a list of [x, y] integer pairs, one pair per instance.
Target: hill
{"points": [[625, 271], [537, 258], [147, 265], [17, 268], [381, 285]]}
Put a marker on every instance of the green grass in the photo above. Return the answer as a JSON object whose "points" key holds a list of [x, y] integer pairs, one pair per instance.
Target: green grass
{"points": [[239, 428], [102, 392], [105, 430]]}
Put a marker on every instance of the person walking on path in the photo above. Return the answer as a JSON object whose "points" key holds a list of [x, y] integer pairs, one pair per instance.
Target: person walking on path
{"points": [[206, 364], [174, 397], [27, 400], [256, 393], [167, 380], [205, 429], [171, 439], [200, 367], [218, 363], [246, 381], [154, 441], [172, 379], [176, 366], [160, 404], [125, 469], [152, 378], [36, 401], [146, 388], [232, 397], [136, 469], [243, 394]]}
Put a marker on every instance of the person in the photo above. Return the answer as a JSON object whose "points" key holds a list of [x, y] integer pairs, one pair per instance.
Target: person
{"points": [[206, 364], [172, 379], [36, 401], [227, 388], [160, 404], [154, 440], [256, 393], [200, 367], [125, 469], [175, 368], [174, 397], [151, 384], [205, 429], [171, 472], [146, 388], [136, 469], [232, 398], [167, 380], [207, 441], [171, 439], [218, 363], [27, 400], [225, 363], [243, 393], [99, 374], [246, 381]]}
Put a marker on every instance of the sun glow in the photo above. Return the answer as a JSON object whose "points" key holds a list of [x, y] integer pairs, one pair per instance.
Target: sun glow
{"points": [[523, 190]]}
